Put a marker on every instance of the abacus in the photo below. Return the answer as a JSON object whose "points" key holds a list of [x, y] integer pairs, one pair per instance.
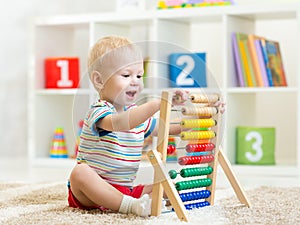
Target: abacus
{"points": [[203, 148]]}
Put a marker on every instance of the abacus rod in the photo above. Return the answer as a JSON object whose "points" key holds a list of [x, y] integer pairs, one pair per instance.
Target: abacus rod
{"points": [[195, 97], [204, 105]]}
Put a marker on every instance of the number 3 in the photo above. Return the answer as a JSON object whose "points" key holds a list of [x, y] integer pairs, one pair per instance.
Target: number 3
{"points": [[256, 146]]}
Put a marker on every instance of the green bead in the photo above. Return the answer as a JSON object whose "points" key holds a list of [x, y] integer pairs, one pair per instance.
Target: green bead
{"points": [[208, 181], [172, 174], [210, 169], [180, 186], [183, 173], [195, 172]]}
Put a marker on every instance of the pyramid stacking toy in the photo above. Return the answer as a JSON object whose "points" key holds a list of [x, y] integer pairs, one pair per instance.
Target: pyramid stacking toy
{"points": [[58, 147], [171, 150]]}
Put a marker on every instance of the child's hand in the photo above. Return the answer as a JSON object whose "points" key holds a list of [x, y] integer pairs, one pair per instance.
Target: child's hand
{"points": [[179, 97], [220, 105]]}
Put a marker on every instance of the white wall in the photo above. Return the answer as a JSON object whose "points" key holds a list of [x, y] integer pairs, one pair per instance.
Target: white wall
{"points": [[15, 17]]}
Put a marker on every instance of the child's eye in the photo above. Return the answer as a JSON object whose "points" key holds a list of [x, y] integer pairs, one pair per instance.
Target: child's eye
{"points": [[139, 76], [125, 75]]}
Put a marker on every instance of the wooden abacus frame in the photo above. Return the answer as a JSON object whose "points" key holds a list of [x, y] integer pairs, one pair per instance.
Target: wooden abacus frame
{"points": [[163, 183]]}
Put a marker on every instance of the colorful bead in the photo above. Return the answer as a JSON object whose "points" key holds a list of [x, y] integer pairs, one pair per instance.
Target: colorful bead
{"points": [[197, 171], [191, 160], [196, 205], [184, 185], [199, 147], [200, 98], [173, 174], [192, 123], [191, 172], [197, 135], [199, 111], [196, 195]]}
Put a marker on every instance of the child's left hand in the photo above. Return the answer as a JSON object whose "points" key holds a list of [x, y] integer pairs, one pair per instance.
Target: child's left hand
{"points": [[179, 97], [220, 105]]}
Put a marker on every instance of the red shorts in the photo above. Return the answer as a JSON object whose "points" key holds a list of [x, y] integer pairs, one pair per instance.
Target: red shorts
{"points": [[135, 192]]}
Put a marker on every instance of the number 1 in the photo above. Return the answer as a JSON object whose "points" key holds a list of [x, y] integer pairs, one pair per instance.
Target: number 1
{"points": [[64, 74]]}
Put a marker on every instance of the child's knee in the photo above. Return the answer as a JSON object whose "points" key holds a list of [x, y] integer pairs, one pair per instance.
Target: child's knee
{"points": [[79, 172]]}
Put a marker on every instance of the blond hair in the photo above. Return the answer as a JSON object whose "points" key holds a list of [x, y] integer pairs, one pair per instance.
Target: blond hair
{"points": [[103, 46], [109, 54]]}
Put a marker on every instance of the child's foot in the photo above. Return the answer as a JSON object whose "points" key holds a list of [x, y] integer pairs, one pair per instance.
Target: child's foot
{"points": [[138, 206], [142, 206]]}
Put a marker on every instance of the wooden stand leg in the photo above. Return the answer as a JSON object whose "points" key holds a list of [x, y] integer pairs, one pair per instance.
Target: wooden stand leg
{"points": [[162, 144], [168, 186], [213, 177], [225, 164]]}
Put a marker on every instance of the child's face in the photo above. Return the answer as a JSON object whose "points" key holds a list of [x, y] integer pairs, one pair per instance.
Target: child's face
{"points": [[125, 85]]}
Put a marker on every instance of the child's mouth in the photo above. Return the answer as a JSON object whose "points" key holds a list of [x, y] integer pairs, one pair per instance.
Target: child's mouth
{"points": [[131, 93]]}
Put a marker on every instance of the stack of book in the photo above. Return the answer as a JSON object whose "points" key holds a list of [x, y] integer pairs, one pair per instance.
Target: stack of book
{"points": [[258, 61]]}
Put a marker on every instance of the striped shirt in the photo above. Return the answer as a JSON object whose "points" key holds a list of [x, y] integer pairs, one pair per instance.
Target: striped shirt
{"points": [[115, 156]]}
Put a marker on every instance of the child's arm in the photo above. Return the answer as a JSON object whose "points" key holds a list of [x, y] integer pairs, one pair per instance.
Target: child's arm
{"points": [[128, 120], [175, 127], [179, 98]]}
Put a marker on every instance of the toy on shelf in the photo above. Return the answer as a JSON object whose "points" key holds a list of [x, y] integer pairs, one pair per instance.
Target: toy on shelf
{"points": [[62, 72], [187, 70], [58, 146], [80, 125], [171, 4], [199, 166], [171, 150]]}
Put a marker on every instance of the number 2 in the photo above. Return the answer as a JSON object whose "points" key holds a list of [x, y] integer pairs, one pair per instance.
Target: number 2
{"points": [[182, 78], [256, 146]]}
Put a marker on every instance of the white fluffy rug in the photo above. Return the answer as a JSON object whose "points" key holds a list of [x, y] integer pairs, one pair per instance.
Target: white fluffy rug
{"points": [[45, 203]]}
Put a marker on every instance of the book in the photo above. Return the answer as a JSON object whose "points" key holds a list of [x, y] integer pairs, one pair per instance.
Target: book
{"points": [[275, 63], [266, 60], [241, 39], [240, 36], [237, 61], [261, 62], [246, 60], [255, 59], [258, 61], [250, 63]]}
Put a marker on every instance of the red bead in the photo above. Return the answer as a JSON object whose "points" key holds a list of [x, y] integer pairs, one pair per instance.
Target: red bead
{"points": [[200, 147], [190, 160]]}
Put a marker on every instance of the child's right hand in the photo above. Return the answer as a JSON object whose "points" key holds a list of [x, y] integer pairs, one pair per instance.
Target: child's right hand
{"points": [[180, 97]]}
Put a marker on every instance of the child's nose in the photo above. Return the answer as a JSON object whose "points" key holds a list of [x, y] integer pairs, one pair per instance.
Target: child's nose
{"points": [[135, 81]]}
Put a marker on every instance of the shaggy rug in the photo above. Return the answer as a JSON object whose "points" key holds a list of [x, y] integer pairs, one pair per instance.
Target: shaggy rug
{"points": [[45, 203]]}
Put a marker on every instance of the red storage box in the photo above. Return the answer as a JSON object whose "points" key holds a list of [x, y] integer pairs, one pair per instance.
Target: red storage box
{"points": [[62, 72]]}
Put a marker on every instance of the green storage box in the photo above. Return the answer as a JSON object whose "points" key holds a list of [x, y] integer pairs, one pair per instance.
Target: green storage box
{"points": [[255, 145]]}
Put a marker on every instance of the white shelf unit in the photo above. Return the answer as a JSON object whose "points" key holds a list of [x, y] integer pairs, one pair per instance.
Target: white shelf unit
{"points": [[160, 33]]}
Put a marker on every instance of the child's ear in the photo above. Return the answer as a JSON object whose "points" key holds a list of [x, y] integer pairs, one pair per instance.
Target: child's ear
{"points": [[97, 80]]}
